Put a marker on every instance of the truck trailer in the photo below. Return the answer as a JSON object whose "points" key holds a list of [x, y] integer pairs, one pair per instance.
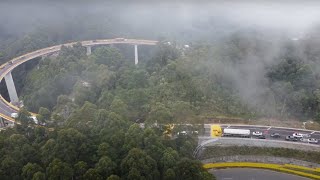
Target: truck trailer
{"points": [[236, 132]]}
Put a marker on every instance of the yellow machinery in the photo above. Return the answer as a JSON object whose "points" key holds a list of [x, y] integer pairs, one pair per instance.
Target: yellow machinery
{"points": [[168, 130], [215, 130]]}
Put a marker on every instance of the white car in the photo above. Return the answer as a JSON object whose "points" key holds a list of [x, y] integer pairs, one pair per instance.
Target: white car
{"points": [[310, 140], [313, 141], [304, 140], [35, 120], [120, 39], [182, 133], [299, 135], [257, 133], [14, 115], [195, 132]]}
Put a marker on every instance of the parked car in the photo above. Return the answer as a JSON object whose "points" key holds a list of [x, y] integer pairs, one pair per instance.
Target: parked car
{"points": [[257, 133], [291, 138], [275, 135]]}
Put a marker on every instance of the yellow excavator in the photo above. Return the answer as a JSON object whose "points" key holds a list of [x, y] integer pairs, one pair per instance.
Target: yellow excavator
{"points": [[215, 130], [168, 130]]}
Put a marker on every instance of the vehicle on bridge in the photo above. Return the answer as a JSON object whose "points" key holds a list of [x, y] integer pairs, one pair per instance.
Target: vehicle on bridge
{"points": [[236, 133], [309, 140], [120, 39], [275, 135], [261, 137], [14, 115], [299, 135], [291, 138], [257, 133]]}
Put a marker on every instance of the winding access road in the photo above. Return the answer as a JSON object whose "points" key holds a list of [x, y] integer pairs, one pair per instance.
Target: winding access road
{"points": [[267, 131], [7, 108]]}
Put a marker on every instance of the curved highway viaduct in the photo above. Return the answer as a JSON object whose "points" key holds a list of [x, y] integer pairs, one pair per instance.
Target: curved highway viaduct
{"points": [[6, 108]]}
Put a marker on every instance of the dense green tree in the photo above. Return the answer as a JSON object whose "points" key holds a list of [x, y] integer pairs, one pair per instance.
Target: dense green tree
{"points": [[190, 169], [103, 149], [105, 166], [152, 144], [119, 107], [71, 145], [10, 169], [169, 175], [59, 170], [92, 174], [169, 159], [159, 114], [30, 169], [45, 113], [80, 168], [113, 177], [134, 137], [24, 117], [109, 56], [47, 151], [137, 164], [39, 176]]}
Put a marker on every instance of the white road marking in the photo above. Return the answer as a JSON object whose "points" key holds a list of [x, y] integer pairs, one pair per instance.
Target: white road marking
{"points": [[269, 128], [312, 132]]}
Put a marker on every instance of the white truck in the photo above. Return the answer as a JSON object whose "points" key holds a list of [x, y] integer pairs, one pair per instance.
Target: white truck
{"points": [[236, 132]]}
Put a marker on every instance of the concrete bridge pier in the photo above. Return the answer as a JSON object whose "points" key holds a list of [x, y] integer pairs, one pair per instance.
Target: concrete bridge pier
{"points": [[136, 60], [88, 50], [11, 88], [2, 124]]}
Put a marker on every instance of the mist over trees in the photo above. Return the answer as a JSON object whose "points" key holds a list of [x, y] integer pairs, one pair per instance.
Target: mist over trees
{"points": [[242, 56], [242, 60]]}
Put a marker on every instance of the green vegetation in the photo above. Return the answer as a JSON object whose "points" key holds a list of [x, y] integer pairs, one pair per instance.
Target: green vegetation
{"points": [[215, 151], [106, 146], [92, 105], [178, 85]]}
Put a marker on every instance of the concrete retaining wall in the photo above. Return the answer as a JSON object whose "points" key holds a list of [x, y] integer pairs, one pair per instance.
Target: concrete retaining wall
{"points": [[261, 159], [227, 141]]}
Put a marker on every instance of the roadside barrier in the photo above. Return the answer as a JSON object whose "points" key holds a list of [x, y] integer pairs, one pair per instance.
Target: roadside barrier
{"points": [[313, 173]]}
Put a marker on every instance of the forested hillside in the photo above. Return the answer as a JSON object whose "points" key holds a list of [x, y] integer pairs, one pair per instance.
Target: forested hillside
{"points": [[105, 117], [238, 76], [107, 146]]}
